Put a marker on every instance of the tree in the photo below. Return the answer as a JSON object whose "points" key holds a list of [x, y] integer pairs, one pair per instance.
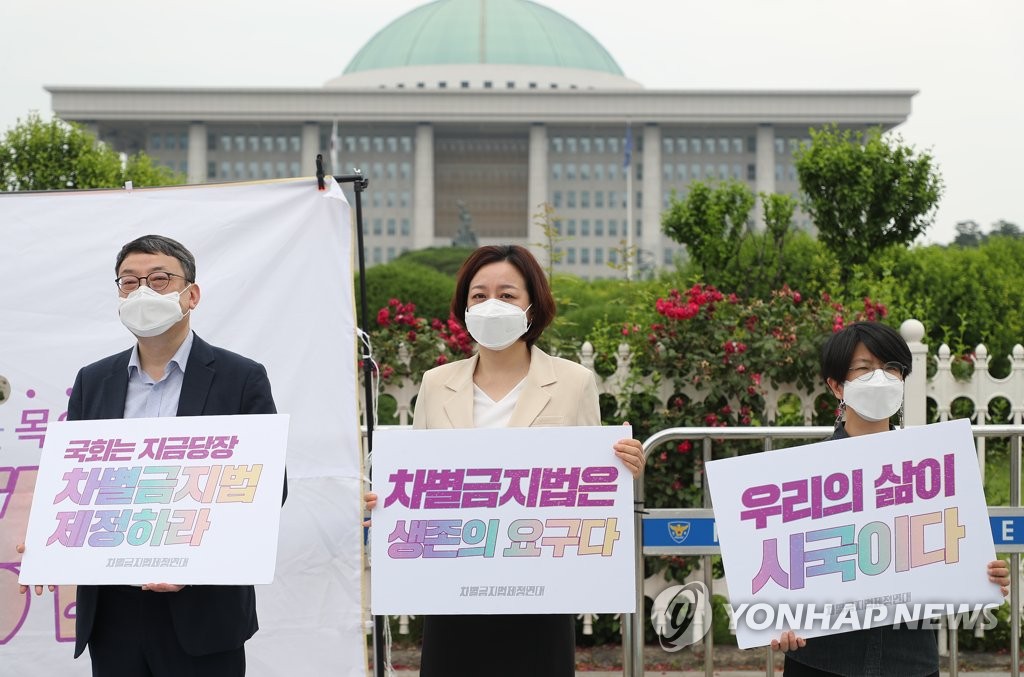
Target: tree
{"points": [[1005, 228], [866, 192], [711, 223], [968, 234], [57, 155]]}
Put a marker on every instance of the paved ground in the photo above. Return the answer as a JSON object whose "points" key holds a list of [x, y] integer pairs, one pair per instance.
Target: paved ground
{"points": [[606, 661]]}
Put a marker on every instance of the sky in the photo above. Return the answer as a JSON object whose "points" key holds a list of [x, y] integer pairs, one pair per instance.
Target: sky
{"points": [[966, 60]]}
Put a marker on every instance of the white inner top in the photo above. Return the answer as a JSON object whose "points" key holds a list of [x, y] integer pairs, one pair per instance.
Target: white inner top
{"points": [[490, 414]]}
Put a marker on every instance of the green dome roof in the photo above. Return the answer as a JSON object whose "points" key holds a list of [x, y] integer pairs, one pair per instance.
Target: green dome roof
{"points": [[517, 32]]}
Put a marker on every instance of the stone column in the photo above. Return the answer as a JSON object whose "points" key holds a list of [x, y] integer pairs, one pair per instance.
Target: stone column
{"points": [[764, 165], [423, 188], [197, 153], [650, 214], [916, 388], [310, 147], [537, 190]]}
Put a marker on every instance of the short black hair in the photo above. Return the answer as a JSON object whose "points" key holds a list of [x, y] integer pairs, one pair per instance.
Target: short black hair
{"points": [[883, 341], [159, 244]]}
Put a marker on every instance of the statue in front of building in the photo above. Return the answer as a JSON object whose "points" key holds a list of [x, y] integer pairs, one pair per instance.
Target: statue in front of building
{"points": [[465, 237]]}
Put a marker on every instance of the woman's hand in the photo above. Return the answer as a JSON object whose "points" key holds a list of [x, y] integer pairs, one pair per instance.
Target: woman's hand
{"points": [[999, 572], [631, 452], [370, 501], [788, 641]]}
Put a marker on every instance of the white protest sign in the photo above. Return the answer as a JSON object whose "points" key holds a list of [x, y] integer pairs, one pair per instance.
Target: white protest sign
{"points": [[854, 533], [186, 500], [502, 521]]}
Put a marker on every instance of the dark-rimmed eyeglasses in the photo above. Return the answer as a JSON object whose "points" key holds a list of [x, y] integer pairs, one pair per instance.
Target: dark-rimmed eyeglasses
{"points": [[157, 281]]}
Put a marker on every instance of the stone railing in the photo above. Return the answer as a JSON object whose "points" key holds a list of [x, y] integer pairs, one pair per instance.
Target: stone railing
{"points": [[943, 388]]}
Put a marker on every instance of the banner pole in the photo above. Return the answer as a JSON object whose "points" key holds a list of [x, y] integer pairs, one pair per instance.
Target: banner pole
{"points": [[360, 184]]}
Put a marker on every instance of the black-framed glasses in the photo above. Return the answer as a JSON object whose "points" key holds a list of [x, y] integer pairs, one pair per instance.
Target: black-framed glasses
{"points": [[157, 281], [894, 371]]}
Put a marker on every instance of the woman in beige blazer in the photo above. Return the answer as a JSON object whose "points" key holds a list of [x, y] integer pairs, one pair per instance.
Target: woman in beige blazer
{"points": [[504, 299]]}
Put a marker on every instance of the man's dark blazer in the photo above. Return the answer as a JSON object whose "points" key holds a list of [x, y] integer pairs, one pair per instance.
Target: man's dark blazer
{"points": [[208, 618]]}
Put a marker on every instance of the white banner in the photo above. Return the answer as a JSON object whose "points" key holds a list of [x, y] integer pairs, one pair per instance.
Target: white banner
{"points": [[854, 533], [275, 269], [193, 500], [502, 521]]}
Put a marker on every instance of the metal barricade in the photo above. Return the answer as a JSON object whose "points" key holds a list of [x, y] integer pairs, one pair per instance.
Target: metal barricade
{"points": [[1007, 523]]}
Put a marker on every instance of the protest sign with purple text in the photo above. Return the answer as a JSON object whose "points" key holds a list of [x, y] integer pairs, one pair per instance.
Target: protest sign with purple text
{"points": [[854, 533], [185, 500], [509, 521]]}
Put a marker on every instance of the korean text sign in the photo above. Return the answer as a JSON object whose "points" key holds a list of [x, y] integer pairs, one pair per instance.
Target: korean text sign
{"points": [[894, 523], [510, 520], [186, 500]]}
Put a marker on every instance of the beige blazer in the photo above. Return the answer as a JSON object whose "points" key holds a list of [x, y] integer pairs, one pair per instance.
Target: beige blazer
{"points": [[557, 392]]}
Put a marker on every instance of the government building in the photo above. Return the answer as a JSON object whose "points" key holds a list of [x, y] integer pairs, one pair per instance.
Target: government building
{"points": [[475, 113]]}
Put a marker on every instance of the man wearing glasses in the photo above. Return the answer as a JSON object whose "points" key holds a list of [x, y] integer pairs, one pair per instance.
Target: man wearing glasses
{"points": [[163, 629]]}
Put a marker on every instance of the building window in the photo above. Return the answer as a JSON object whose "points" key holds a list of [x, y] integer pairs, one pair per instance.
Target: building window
{"points": [[585, 145], [695, 146], [280, 170], [723, 172], [295, 168], [378, 226], [225, 170], [599, 199], [405, 227], [570, 255], [585, 227], [668, 257], [780, 146], [571, 227], [791, 172], [585, 255], [695, 172], [737, 172], [254, 144], [392, 144], [737, 145], [681, 172], [613, 145], [599, 144], [404, 171], [666, 172], [556, 171], [682, 146], [556, 199], [392, 170], [639, 171], [510, 84], [403, 199], [598, 172], [723, 146], [488, 84], [268, 170], [599, 227], [778, 172], [254, 170], [751, 172], [390, 200], [570, 199], [585, 171], [570, 171], [391, 227], [794, 145], [406, 144], [613, 201], [639, 199], [155, 141], [613, 256], [391, 253], [378, 144], [556, 144], [613, 228], [172, 142], [376, 255], [570, 144], [639, 232], [667, 146], [709, 172], [585, 199], [375, 198]]}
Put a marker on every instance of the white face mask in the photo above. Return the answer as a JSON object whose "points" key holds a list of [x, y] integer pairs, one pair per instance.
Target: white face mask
{"points": [[495, 324], [876, 398], [148, 313]]}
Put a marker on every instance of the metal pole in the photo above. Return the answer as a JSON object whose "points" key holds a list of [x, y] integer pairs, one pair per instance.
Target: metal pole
{"points": [[769, 654], [709, 636], [633, 660], [1015, 561], [359, 184], [954, 646]]}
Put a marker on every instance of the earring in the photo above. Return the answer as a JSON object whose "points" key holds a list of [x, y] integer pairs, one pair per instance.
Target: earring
{"points": [[840, 413]]}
